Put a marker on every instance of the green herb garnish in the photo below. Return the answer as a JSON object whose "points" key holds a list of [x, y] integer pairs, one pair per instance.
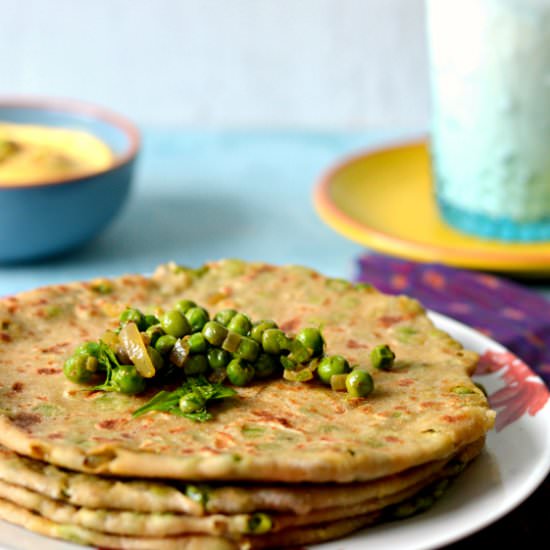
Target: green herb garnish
{"points": [[190, 400], [89, 360], [107, 359]]}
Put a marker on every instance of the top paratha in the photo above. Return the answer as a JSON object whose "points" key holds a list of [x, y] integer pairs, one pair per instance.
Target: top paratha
{"points": [[274, 430]]}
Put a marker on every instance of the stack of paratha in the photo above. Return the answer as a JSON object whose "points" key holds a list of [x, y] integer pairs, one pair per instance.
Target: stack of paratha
{"points": [[284, 463]]}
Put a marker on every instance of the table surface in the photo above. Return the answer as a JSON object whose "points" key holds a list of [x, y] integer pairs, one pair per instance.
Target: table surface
{"points": [[202, 196]]}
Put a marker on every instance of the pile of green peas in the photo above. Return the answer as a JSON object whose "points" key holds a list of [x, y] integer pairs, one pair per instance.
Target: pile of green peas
{"points": [[230, 346]]}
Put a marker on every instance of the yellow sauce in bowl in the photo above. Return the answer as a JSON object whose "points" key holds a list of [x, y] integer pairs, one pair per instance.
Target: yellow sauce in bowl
{"points": [[34, 154]]}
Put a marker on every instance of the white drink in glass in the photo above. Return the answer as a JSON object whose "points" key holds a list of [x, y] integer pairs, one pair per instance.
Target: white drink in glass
{"points": [[490, 144]]}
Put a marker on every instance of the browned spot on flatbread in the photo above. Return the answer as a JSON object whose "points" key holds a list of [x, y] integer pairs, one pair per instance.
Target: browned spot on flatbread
{"points": [[270, 417], [111, 423], [354, 344], [92, 393], [48, 370], [177, 430], [55, 348], [223, 440], [258, 270], [389, 320], [452, 418], [290, 325], [37, 451], [432, 405], [25, 420]]}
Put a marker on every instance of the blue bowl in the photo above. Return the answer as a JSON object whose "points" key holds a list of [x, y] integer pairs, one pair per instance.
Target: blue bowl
{"points": [[53, 217]]}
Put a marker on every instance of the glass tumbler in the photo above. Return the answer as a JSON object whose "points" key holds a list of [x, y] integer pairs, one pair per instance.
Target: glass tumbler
{"points": [[490, 135]]}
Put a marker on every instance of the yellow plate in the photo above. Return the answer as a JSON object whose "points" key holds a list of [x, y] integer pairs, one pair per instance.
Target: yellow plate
{"points": [[383, 199]]}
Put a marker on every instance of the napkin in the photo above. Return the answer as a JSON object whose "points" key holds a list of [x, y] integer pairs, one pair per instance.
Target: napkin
{"points": [[507, 312]]}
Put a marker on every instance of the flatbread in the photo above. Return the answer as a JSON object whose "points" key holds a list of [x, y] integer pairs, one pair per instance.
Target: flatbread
{"points": [[39, 524], [80, 535], [113, 529], [162, 524], [96, 492], [301, 432]]}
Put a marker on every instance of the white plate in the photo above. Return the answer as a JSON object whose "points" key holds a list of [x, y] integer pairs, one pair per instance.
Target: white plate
{"points": [[516, 460], [514, 463]]}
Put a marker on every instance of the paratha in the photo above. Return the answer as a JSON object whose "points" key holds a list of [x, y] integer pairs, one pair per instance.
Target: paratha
{"points": [[275, 430], [107, 528], [96, 492], [235, 526], [291, 537], [163, 524]]}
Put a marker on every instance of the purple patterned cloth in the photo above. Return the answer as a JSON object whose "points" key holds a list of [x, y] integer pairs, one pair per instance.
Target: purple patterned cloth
{"points": [[507, 312]]}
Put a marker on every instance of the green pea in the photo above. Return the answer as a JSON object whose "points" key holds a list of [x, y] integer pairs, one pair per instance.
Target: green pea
{"points": [[259, 523], [88, 348], [214, 332], [175, 324], [101, 287], [359, 383], [440, 488], [288, 363], [413, 506], [150, 320], [156, 358], [224, 316], [198, 493], [127, 379], [165, 343], [240, 323], [197, 317], [133, 315], [183, 305], [218, 358], [76, 369], [265, 365], [191, 403], [248, 349], [299, 353], [195, 364], [154, 332], [312, 339], [330, 365], [239, 372], [89, 352], [260, 327], [274, 341], [382, 357], [197, 343]]}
